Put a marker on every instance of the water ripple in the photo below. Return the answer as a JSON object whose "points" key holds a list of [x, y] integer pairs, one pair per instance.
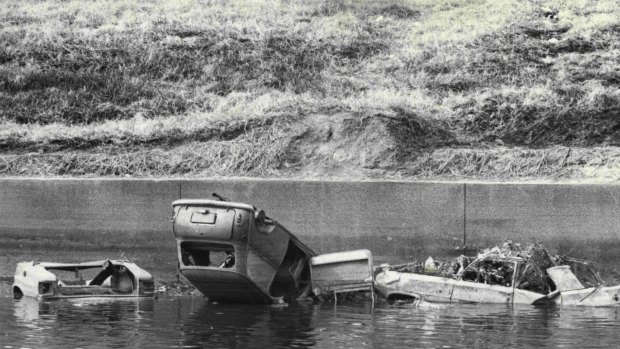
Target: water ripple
{"points": [[190, 322]]}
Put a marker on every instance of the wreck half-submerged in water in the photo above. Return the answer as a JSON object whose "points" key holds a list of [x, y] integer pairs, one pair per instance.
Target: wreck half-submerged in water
{"points": [[232, 252], [464, 287], [510, 275], [98, 279]]}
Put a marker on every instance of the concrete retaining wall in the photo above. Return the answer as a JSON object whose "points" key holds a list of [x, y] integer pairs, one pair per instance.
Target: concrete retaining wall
{"points": [[68, 220], [578, 220], [83, 219]]}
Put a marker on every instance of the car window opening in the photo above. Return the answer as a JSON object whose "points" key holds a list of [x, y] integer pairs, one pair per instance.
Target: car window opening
{"points": [[203, 254], [110, 279]]}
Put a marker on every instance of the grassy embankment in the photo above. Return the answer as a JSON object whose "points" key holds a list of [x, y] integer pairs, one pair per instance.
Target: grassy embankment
{"points": [[447, 89]]}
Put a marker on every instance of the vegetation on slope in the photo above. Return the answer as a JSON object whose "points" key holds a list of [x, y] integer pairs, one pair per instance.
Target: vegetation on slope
{"points": [[397, 88]]}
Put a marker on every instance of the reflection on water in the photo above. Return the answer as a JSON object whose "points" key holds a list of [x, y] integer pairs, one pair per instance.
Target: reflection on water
{"points": [[256, 326], [192, 322], [57, 323]]}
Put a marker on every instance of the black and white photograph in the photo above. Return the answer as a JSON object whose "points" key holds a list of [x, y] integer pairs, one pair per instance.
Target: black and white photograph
{"points": [[309, 174]]}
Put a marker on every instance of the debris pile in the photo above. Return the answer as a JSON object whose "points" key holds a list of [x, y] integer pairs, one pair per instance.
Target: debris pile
{"points": [[583, 270], [492, 267], [495, 266]]}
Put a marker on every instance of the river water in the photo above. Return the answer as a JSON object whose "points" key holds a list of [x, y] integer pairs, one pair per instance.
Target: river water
{"points": [[192, 322]]}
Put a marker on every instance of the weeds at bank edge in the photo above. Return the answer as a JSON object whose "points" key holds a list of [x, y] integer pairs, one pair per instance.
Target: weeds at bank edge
{"points": [[556, 163], [164, 76], [255, 159], [257, 152]]}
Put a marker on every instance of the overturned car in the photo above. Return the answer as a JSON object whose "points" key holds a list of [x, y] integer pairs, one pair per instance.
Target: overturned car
{"points": [[233, 252], [510, 275], [105, 278]]}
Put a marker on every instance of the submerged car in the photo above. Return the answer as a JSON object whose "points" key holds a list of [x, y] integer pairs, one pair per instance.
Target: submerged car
{"points": [[232, 252], [105, 278], [395, 285], [508, 280]]}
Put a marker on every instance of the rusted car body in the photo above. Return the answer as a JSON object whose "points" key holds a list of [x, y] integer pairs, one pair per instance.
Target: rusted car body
{"points": [[567, 289], [398, 286], [108, 278], [394, 285], [232, 252]]}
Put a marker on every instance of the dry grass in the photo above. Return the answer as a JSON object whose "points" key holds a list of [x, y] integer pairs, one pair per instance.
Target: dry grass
{"points": [[264, 153], [556, 163], [257, 152], [80, 81]]}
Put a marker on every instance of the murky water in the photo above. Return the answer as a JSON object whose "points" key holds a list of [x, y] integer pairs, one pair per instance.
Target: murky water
{"points": [[192, 322]]}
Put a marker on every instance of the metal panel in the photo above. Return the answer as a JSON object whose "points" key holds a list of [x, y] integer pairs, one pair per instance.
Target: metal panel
{"points": [[260, 271], [223, 285], [564, 279], [204, 222], [465, 291], [330, 271], [271, 244]]}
